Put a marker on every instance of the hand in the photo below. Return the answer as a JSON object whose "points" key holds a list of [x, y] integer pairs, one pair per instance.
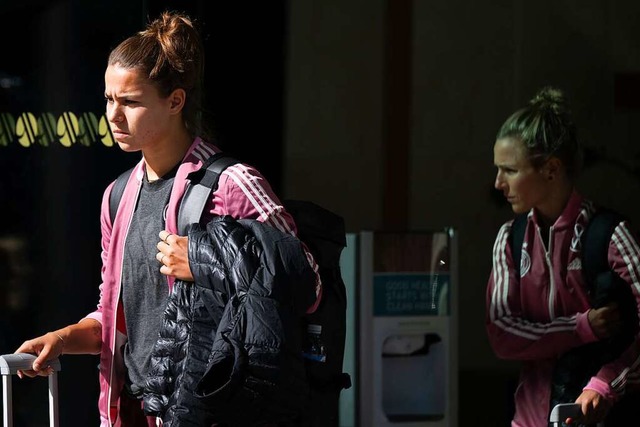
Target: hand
{"points": [[605, 321], [173, 255], [46, 347], [594, 407]]}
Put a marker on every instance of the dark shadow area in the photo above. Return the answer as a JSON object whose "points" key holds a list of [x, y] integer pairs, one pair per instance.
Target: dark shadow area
{"points": [[244, 76], [499, 385]]}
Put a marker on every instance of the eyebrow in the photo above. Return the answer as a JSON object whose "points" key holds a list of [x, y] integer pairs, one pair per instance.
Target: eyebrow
{"points": [[123, 95], [504, 165]]}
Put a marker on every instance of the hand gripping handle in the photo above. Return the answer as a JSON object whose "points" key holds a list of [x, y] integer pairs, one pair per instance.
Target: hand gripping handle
{"points": [[10, 364], [566, 411]]}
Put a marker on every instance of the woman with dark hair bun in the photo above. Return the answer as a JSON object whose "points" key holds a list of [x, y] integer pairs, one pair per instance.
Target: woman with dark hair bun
{"points": [[540, 308], [153, 84]]}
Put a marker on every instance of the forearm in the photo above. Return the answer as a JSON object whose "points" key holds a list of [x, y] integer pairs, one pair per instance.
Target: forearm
{"points": [[614, 377], [517, 339], [81, 338]]}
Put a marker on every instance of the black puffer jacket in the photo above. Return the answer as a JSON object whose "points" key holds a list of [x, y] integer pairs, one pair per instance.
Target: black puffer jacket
{"points": [[229, 351]]}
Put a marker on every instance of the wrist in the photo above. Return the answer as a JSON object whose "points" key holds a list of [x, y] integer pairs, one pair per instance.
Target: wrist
{"points": [[60, 338], [584, 329]]}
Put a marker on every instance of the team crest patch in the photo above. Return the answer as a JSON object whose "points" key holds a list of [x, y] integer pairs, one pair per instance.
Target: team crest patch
{"points": [[525, 262]]}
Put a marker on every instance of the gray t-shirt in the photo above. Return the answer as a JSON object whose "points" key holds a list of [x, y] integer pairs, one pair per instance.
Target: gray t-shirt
{"points": [[144, 288]]}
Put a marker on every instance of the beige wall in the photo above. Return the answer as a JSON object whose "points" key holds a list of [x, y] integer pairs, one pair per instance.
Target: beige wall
{"points": [[333, 107]]}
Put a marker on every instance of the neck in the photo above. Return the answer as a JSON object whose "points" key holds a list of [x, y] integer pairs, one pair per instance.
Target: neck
{"points": [[550, 211], [165, 155]]}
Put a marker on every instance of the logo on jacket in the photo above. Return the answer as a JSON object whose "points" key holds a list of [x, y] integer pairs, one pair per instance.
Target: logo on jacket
{"points": [[525, 261], [576, 264], [576, 245]]}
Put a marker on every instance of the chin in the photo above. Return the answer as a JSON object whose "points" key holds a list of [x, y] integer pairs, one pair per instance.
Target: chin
{"points": [[127, 147], [519, 209]]}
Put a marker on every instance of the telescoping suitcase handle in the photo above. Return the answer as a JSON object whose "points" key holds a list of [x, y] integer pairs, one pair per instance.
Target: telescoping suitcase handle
{"points": [[10, 364], [564, 412]]}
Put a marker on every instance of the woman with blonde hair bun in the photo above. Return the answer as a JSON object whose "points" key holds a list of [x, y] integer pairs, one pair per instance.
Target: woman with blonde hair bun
{"points": [[542, 308]]}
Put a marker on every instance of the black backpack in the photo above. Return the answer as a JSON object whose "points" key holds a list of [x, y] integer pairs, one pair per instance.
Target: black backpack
{"points": [[575, 367], [323, 232]]}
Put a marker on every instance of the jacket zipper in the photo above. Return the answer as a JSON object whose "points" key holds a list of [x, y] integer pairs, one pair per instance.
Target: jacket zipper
{"points": [[552, 284], [547, 257]]}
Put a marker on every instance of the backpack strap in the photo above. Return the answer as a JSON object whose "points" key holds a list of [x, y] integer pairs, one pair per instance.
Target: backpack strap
{"points": [[516, 238], [116, 193], [595, 243], [201, 184]]}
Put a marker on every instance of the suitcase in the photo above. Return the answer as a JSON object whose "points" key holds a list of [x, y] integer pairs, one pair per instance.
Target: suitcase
{"points": [[9, 365], [566, 411]]}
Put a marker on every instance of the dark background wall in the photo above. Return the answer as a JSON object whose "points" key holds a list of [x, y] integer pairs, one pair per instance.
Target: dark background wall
{"points": [[382, 110]]}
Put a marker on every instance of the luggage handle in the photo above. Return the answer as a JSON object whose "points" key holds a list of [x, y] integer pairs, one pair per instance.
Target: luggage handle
{"points": [[10, 364], [562, 411]]}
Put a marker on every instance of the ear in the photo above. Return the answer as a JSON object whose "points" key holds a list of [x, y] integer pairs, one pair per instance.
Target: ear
{"points": [[552, 168], [177, 98]]}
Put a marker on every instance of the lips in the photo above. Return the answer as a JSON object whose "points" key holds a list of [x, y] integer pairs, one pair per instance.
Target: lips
{"points": [[118, 133]]}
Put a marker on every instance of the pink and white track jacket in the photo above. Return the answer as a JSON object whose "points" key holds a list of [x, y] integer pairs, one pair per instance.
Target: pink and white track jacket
{"points": [[542, 314], [242, 193]]}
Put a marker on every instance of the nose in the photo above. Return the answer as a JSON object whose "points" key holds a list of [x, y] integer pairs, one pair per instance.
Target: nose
{"points": [[114, 115], [499, 183]]}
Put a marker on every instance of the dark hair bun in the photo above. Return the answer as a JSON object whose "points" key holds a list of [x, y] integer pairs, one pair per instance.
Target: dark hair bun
{"points": [[550, 98]]}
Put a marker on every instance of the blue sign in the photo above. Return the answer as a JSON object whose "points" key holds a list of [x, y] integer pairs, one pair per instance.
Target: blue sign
{"points": [[401, 294]]}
